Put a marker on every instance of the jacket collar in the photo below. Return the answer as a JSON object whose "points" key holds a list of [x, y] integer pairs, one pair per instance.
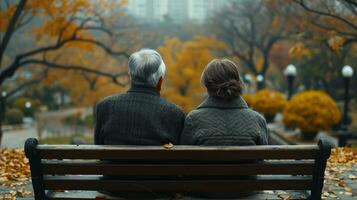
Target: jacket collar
{"points": [[144, 89], [213, 102]]}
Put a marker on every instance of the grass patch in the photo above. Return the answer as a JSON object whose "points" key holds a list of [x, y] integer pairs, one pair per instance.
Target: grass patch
{"points": [[67, 139]]}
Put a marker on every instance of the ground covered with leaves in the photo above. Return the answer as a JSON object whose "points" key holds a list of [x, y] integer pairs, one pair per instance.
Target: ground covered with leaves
{"points": [[340, 175], [14, 174]]}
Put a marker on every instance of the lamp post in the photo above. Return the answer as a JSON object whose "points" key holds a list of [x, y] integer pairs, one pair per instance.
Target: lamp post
{"points": [[248, 78], [260, 81], [290, 73], [347, 73]]}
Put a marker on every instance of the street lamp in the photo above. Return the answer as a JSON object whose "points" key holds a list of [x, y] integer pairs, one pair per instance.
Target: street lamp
{"points": [[290, 73], [248, 78], [28, 105], [347, 73], [260, 81]]}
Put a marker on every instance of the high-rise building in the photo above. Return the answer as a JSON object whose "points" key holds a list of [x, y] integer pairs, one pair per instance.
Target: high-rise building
{"points": [[179, 11], [148, 10]]}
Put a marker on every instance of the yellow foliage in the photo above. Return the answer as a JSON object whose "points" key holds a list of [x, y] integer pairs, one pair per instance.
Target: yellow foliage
{"points": [[185, 62], [78, 83], [311, 111], [59, 20], [4, 17], [268, 102], [336, 43], [249, 99], [299, 50]]}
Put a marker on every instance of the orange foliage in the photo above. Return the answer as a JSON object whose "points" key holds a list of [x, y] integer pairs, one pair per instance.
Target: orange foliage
{"points": [[85, 89], [185, 62], [311, 111], [61, 20], [299, 50]]}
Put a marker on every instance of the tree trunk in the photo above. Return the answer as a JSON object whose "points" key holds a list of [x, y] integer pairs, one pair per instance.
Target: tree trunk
{"points": [[2, 115], [0, 132]]}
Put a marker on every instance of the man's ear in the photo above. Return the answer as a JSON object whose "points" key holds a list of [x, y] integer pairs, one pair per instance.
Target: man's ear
{"points": [[159, 84]]}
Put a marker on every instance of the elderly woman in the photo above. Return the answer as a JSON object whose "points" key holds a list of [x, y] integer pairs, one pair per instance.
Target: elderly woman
{"points": [[224, 118]]}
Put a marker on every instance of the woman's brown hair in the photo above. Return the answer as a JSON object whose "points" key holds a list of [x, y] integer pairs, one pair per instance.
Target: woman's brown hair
{"points": [[222, 79]]}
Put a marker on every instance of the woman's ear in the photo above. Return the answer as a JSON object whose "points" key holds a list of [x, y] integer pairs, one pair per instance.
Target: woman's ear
{"points": [[159, 84]]}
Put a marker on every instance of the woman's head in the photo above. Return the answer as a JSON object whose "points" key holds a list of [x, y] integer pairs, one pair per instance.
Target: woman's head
{"points": [[221, 78]]}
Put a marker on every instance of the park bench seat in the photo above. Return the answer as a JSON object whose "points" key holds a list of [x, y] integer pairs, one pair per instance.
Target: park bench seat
{"points": [[77, 168]]}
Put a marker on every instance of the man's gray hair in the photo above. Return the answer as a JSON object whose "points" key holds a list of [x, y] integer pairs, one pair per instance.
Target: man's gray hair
{"points": [[146, 67]]}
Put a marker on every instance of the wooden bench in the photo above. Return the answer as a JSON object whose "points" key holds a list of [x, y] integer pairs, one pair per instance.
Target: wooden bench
{"points": [[56, 168]]}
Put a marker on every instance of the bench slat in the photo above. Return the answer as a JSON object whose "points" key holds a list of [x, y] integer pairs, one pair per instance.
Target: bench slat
{"points": [[95, 183], [178, 153], [105, 168], [91, 195]]}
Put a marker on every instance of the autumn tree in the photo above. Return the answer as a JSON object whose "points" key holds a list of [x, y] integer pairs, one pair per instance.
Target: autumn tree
{"points": [[185, 61], [55, 25], [338, 18], [250, 29], [327, 43], [86, 89]]}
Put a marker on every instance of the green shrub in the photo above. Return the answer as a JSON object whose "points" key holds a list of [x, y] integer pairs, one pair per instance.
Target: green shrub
{"points": [[74, 139], [14, 116], [88, 121]]}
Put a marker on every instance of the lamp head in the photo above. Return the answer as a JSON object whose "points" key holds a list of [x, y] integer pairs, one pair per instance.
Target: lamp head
{"points": [[28, 104], [347, 71], [260, 78], [290, 70], [248, 77]]}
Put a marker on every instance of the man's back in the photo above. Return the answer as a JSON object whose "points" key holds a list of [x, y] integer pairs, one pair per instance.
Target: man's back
{"points": [[138, 117]]}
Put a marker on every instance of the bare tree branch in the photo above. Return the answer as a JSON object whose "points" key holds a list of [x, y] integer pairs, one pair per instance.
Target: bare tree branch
{"points": [[112, 76], [302, 4], [26, 84]]}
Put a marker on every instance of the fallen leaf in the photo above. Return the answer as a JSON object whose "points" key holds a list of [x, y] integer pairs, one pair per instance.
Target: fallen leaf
{"points": [[168, 146]]}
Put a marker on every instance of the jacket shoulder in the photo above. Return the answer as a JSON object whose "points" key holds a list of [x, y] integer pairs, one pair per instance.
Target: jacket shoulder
{"points": [[259, 117], [109, 100], [171, 106]]}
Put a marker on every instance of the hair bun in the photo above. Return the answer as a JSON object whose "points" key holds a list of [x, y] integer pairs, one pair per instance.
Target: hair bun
{"points": [[222, 79], [229, 89]]}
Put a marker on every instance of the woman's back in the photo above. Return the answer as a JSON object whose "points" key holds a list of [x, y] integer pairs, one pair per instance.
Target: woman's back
{"points": [[221, 122]]}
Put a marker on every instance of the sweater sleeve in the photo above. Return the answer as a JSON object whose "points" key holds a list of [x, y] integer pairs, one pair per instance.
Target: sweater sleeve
{"points": [[180, 125], [187, 136], [263, 135], [98, 125]]}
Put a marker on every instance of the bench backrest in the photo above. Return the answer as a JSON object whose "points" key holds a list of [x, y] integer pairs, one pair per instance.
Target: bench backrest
{"points": [[178, 169]]}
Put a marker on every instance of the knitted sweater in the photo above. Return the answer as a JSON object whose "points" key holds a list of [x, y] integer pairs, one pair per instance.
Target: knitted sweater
{"points": [[138, 117], [219, 122]]}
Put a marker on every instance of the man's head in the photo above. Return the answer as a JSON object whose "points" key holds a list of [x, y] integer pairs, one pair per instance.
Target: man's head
{"points": [[146, 68]]}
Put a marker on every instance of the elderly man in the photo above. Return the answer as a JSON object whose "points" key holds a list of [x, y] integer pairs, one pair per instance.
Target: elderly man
{"points": [[139, 116]]}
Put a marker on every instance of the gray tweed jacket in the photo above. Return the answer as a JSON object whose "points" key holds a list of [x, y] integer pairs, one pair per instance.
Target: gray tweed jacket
{"points": [[138, 117], [219, 122]]}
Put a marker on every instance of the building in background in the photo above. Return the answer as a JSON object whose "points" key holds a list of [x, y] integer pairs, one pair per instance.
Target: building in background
{"points": [[178, 11], [148, 10]]}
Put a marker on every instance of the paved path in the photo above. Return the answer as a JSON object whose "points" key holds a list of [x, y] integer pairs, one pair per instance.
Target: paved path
{"points": [[17, 138]]}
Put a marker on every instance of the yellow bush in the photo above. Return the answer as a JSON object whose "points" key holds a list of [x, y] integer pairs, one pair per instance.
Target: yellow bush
{"points": [[249, 99], [311, 111], [268, 102]]}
